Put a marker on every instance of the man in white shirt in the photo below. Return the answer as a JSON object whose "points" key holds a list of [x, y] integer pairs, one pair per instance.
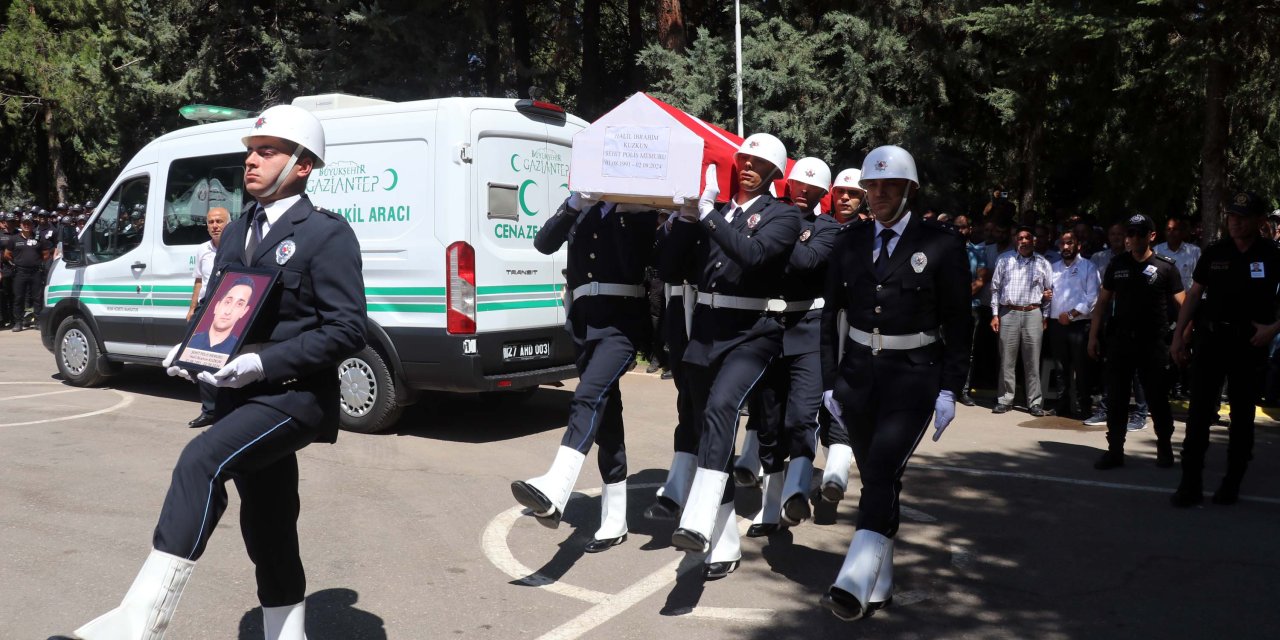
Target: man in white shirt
{"points": [[1020, 287], [1075, 289], [214, 221], [1176, 248]]}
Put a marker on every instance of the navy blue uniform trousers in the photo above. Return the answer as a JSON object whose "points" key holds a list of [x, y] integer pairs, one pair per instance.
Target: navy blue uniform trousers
{"points": [[255, 446], [789, 397], [686, 431], [595, 414]]}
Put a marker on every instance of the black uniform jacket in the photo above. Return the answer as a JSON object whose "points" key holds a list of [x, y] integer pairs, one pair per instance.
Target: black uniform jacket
{"points": [[746, 257], [806, 279], [614, 249], [317, 317], [906, 300]]}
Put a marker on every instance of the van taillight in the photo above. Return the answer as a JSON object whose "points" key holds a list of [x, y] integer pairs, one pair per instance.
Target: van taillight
{"points": [[541, 108], [460, 261]]}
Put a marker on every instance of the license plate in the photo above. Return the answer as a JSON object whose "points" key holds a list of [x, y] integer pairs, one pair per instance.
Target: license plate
{"points": [[526, 351]]}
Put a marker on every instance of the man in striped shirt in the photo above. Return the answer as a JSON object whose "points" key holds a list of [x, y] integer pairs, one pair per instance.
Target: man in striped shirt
{"points": [[1021, 286]]}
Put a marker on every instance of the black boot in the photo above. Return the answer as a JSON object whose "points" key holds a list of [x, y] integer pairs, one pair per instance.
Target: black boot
{"points": [[1164, 453], [1229, 491], [1191, 489]]}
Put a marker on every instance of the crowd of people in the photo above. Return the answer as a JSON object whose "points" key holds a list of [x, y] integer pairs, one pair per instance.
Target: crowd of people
{"points": [[30, 237]]}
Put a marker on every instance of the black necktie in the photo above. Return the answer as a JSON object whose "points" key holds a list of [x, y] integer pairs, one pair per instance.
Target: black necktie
{"points": [[882, 260], [737, 211], [255, 235]]}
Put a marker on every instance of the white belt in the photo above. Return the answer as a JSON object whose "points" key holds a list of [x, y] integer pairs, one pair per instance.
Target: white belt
{"points": [[608, 289], [772, 305], [674, 290], [879, 342]]}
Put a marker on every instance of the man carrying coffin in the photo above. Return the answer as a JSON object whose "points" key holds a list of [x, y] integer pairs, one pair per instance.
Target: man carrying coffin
{"points": [[736, 255]]}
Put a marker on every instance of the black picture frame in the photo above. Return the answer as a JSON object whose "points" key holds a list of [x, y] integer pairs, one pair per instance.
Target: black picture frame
{"points": [[210, 356]]}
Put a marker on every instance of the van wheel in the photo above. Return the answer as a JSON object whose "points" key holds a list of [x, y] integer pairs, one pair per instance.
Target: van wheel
{"points": [[76, 350], [368, 393]]}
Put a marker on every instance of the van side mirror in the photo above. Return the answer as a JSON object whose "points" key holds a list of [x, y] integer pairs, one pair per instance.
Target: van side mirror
{"points": [[72, 254]]}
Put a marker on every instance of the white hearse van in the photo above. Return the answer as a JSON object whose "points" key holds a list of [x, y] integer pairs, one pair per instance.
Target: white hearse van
{"points": [[445, 196]]}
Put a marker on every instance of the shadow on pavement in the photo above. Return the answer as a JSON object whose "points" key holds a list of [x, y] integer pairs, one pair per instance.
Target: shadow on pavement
{"points": [[154, 382], [476, 418], [994, 556], [332, 613]]}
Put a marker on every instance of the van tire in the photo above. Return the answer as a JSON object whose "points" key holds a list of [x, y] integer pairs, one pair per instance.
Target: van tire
{"points": [[368, 399], [75, 349]]}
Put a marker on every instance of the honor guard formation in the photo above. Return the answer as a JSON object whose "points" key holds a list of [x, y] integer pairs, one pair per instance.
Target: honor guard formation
{"points": [[841, 317]]}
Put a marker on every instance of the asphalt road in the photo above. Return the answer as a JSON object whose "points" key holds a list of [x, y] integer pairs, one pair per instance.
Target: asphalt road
{"points": [[1008, 531]]}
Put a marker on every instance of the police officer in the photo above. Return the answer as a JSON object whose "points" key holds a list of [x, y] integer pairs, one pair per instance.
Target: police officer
{"points": [[848, 200], [610, 246], [28, 252], [736, 255], [676, 323], [1136, 286], [904, 284], [8, 229], [277, 397], [790, 393], [1233, 289]]}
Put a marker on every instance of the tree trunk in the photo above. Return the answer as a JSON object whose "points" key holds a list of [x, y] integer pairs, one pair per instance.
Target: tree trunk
{"points": [[591, 75], [1213, 155], [518, 17], [56, 169], [671, 25]]}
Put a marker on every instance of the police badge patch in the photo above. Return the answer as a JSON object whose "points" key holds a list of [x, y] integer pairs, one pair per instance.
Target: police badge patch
{"points": [[753, 221], [919, 261], [284, 251], [804, 236]]}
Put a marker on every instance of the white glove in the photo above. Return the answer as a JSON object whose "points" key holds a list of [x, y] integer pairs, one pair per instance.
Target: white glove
{"points": [[944, 411], [244, 370], [707, 203], [177, 372], [833, 406], [581, 201]]}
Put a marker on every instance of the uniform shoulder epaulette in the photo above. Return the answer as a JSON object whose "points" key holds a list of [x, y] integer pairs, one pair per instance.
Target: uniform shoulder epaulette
{"points": [[1165, 258], [934, 224], [331, 214]]}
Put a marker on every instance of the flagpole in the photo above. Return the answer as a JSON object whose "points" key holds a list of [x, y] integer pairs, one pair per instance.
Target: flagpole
{"points": [[737, 32]]}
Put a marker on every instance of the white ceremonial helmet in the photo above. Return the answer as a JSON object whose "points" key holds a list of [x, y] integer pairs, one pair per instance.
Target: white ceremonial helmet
{"points": [[888, 162], [295, 124], [811, 171], [766, 147], [849, 179]]}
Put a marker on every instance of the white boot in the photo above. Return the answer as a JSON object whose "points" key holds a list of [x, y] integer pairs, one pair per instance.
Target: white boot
{"points": [[679, 477], [882, 593], [148, 606], [835, 477], [697, 522], [285, 623], [613, 518], [770, 499], [747, 469], [795, 492], [850, 596], [547, 494], [726, 547]]}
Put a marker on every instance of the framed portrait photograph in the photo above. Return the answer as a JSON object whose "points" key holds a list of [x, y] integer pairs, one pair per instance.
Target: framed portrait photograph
{"points": [[219, 332]]}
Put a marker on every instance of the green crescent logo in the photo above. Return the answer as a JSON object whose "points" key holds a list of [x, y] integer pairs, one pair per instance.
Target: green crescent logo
{"points": [[513, 162], [395, 179], [524, 207]]}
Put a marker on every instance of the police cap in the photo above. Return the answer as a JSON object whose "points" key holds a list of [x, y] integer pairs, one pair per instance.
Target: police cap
{"points": [[62, 206], [1246, 203], [1140, 222]]}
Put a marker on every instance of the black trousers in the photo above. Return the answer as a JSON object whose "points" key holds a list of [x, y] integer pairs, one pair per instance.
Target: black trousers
{"points": [[6, 296], [790, 394], [208, 396], [887, 401], [1224, 355], [27, 285], [1146, 356], [595, 413], [254, 445], [718, 393], [1070, 347], [686, 434]]}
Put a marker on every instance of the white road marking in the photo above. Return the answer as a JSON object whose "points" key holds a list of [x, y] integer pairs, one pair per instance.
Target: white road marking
{"points": [[606, 606], [915, 515], [125, 400], [41, 395], [1073, 481]]}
